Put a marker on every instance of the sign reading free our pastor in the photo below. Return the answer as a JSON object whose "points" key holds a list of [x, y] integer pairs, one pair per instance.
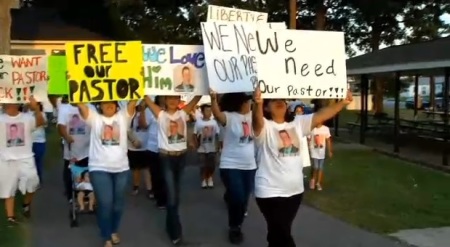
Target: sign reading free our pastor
{"points": [[104, 71]]}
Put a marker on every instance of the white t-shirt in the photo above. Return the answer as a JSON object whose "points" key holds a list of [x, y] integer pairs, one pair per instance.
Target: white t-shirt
{"points": [[318, 142], [153, 128], [140, 133], [172, 133], [238, 142], [69, 116], [38, 134], [207, 132], [16, 141], [280, 169], [109, 141]]}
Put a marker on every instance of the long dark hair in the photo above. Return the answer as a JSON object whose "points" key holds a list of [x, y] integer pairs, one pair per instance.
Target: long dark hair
{"points": [[288, 116], [232, 102]]}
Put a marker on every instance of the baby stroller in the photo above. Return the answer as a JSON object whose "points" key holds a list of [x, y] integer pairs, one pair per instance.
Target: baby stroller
{"points": [[76, 172]]}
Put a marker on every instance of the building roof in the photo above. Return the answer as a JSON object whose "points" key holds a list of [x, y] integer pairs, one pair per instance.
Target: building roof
{"points": [[45, 24], [434, 54]]}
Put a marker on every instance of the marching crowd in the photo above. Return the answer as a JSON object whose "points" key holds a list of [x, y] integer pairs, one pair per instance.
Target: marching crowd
{"points": [[258, 145]]}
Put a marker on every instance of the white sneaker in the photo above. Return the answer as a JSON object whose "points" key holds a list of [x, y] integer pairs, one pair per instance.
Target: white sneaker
{"points": [[204, 184], [210, 183]]}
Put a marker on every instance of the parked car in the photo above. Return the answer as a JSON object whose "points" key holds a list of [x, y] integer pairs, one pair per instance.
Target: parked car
{"points": [[409, 103]]}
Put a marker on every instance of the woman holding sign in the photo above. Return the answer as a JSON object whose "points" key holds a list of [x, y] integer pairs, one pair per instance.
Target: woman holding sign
{"points": [[172, 144], [278, 186], [108, 162], [237, 161]]}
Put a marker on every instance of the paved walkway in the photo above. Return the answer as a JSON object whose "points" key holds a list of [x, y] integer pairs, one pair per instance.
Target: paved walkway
{"points": [[203, 217]]}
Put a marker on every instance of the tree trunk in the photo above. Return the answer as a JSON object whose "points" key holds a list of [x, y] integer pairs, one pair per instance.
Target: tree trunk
{"points": [[292, 14], [5, 26], [321, 14]]}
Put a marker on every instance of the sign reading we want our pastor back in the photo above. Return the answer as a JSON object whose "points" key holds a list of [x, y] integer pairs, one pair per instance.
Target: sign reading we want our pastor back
{"points": [[104, 71], [22, 77]]}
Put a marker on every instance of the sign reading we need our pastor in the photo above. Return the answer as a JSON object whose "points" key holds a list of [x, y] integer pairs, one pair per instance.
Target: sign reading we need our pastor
{"points": [[174, 70], [22, 77], [230, 49], [104, 71], [301, 64]]}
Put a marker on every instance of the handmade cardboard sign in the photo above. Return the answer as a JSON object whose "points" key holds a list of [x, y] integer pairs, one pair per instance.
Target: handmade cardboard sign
{"points": [[230, 49], [219, 13], [57, 71], [22, 77], [308, 64], [174, 70], [104, 71]]}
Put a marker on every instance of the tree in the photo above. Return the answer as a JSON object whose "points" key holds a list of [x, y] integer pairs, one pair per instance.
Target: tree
{"points": [[5, 25]]}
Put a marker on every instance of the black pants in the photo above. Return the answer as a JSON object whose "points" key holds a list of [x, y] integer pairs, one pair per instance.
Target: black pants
{"points": [[67, 176], [279, 213], [238, 187], [158, 186]]}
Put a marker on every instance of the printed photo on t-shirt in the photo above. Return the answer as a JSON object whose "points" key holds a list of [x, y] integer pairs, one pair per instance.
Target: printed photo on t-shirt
{"points": [[207, 134], [111, 134], [319, 141], [175, 131], [15, 134], [246, 137], [289, 144], [76, 125]]}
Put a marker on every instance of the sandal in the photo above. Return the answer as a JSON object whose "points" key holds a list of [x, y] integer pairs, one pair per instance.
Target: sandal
{"points": [[115, 239], [12, 221], [108, 244], [319, 187]]}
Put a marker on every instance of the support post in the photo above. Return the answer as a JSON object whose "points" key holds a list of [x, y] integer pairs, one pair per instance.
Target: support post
{"points": [[446, 102], [336, 123], [363, 119], [397, 113], [416, 95]]}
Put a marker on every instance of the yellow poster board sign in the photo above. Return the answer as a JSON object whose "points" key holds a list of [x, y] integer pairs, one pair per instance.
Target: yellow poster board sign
{"points": [[104, 71]]}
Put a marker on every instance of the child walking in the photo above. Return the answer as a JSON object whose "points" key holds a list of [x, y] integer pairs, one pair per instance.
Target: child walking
{"points": [[206, 135], [320, 141]]}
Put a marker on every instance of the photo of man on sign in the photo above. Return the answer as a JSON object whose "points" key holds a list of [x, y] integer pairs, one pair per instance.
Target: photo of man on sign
{"points": [[104, 71], [186, 85]]}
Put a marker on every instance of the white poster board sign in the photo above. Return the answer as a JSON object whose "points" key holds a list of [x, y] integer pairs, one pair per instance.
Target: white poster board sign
{"points": [[174, 70], [219, 13], [230, 49], [301, 64], [22, 77]]}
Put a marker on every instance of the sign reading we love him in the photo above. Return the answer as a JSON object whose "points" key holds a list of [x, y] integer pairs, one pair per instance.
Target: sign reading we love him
{"points": [[174, 70]]}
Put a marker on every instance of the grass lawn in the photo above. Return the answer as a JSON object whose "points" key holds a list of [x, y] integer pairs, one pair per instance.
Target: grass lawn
{"points": [[382, 194]]}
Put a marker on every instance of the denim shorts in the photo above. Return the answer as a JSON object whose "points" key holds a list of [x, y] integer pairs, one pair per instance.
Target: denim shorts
{"points": [[318, 164]]}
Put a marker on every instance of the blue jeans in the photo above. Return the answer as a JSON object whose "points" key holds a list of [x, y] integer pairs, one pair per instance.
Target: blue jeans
{"points": [[238, 185], [39, 152], [318, 164], [172, 168], [109, 190]]}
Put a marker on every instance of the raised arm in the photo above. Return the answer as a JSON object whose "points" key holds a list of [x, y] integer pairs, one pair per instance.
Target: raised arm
{"points": [[257, 112], [53, 99], [84, 110], [131, 107], [218, 115], [154, 108], [191, 105], [40, 120], [330, 111]]}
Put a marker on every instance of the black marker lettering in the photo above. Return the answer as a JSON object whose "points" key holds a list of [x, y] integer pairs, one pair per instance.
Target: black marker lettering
{"points": [[330, 69], [287, 44], [286, 64], [317, 70], [118, 52], [91, 53], [104, 52], [274, 46], [77, 52]]}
